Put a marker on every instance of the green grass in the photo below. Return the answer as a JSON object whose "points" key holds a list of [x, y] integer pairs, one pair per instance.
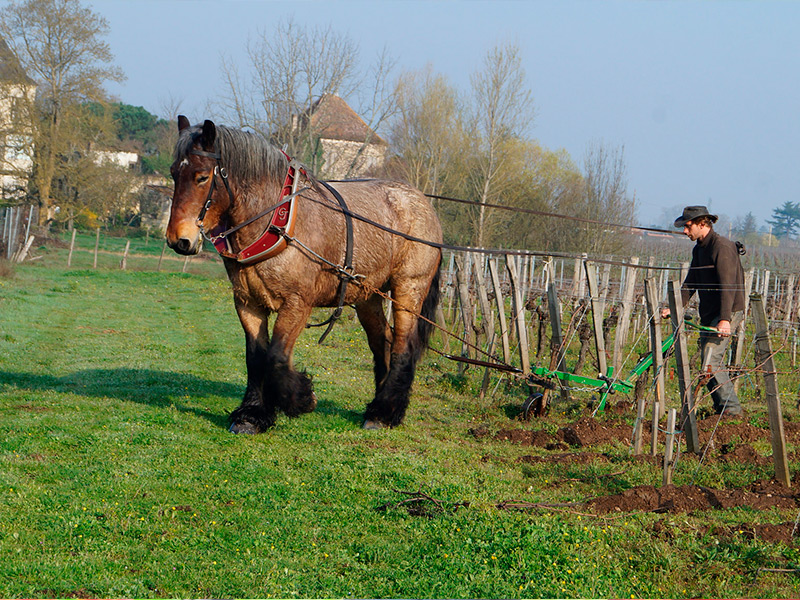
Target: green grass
{"points": [[118, 477]]}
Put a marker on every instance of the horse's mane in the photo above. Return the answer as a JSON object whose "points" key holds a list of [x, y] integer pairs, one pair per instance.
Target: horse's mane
{"points": [[248, 157]]}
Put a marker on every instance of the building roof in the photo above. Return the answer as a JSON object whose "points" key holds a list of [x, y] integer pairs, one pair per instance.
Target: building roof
{"points": [[333, 119], [10, 69]]}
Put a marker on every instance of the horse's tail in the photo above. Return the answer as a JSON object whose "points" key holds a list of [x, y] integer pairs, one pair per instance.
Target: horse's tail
{"points": [[428, 312]]}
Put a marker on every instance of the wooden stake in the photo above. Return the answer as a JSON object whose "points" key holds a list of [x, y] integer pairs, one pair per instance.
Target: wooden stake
{"points": [[124, 264], [688, 417], [740, 332], [466, 309], [597, 316], [669, 448], [623, 325], [501, 311], [654, 318], [765, 361], [160, 258], [518, 309], [96, 246], [71, 247]]}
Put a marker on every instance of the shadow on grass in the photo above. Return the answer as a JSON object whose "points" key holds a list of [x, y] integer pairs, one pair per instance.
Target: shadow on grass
{"points": [[142, 386], [159, 389]]}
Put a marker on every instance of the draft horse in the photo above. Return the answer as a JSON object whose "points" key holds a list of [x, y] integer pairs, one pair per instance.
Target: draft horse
{"points": [[283, 237]]}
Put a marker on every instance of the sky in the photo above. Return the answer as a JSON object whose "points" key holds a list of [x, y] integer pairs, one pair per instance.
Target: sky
{"points": [[702, 97]]}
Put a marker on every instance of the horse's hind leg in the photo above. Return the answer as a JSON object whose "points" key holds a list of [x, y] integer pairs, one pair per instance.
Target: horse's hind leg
{"points": [[410, 338], [379, 335]]}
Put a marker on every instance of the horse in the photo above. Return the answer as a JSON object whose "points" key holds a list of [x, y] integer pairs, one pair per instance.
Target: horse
{"points": [[354, 244]]}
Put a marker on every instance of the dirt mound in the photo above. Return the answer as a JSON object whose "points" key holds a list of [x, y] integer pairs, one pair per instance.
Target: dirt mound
{"points": [[580, 458], [688, 498], [770, 533], [590, 432], [725, 431], [538, 438], [742, 453]]}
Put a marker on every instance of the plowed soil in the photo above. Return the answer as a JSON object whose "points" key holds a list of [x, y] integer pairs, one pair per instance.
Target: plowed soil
{"points": [[722, 440]]}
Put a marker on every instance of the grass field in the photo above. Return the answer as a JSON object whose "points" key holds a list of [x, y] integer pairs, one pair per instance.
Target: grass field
{"points": [[118, 477]]}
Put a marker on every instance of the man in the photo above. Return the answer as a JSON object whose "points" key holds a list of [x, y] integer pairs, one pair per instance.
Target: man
{"points": [[716, 274]]}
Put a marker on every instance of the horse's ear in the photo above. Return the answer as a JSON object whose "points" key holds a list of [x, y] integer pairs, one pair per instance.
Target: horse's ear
{"points": [[183, 123], [208, 136]]}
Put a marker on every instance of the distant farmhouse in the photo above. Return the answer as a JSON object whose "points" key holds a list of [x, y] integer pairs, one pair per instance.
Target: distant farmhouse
{"points": [[17, 92], [349, 148]]}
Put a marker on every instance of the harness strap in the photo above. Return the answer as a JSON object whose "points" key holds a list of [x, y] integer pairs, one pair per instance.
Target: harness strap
{"points": [[348, 265]]}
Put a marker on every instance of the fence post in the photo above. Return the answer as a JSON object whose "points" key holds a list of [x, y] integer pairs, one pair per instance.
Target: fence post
{"points": [[160, 258], [71, 247], [688, 417], [96, 246], [124, 263], [766, 362]]}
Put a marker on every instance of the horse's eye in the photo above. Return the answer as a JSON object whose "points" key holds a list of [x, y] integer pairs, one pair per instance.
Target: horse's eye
{"points": [[202, 179]]}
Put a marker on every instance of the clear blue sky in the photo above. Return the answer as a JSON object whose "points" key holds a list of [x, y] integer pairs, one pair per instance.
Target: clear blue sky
{"points": [[704, 96]]}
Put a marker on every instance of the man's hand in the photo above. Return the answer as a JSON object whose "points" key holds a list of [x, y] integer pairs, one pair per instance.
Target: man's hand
{"points": [[664, 313], [724, 328]]}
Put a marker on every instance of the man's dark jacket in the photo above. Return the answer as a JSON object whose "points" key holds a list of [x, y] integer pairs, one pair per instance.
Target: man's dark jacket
{"points": [[717, 276]]}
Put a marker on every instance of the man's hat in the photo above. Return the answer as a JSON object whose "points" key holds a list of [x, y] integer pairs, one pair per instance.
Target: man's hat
{"points": [[690, 213]]}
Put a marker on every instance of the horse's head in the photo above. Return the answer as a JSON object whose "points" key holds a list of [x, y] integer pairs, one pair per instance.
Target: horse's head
{"points": [[198, 199]]}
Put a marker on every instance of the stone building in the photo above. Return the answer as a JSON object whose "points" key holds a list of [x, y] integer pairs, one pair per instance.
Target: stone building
{"points": [[349, 148], [17, 94]]}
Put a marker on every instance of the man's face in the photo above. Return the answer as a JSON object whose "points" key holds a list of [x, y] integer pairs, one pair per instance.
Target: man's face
{"points": [[692, 230]]}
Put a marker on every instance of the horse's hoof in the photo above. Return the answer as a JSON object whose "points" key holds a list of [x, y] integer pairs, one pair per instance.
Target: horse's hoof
{"points": [[244, 427], [368, 424], [312, 403]]}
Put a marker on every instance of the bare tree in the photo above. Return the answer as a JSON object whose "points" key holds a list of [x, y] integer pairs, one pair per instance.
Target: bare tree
{"points": [[60, 44], [290, 70], [503, 108], [428, 130], [606, 198]]}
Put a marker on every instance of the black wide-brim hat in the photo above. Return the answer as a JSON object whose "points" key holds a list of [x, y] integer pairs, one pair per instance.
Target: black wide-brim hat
{"points": [[690, 213]]}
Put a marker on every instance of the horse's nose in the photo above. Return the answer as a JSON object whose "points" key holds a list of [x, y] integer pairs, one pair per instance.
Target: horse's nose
{"points": [[182, 245]]}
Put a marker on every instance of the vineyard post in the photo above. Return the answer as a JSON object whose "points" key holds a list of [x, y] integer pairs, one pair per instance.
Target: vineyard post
{"points": [[740, 333], [688, 417], [557, 348], [501, 311], [669, 448], [450, 288], [766, 363], [487, 323], [466, 308], [654, 319], [623, 325], [518, 309], [597, 316]]}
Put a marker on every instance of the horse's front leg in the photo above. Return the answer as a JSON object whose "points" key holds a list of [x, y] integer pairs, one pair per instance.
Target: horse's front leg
{"points": [[256, 413], [289, 390]]}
